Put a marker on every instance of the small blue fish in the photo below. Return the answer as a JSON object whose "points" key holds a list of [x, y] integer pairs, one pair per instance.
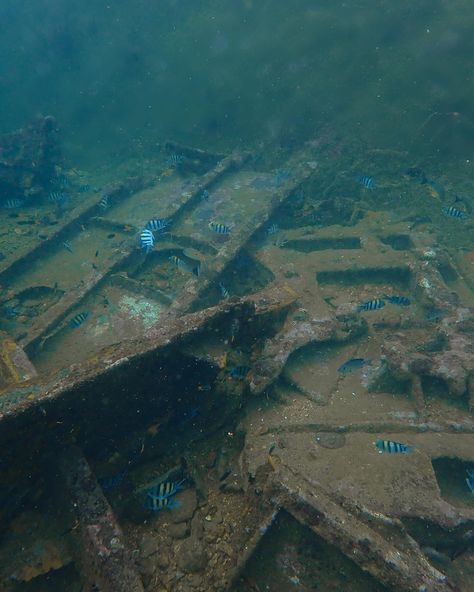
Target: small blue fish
{"points": [[14, 203], [398, 300], [273, 229], [79, 319], [453, 212], [366, 182], [104, 201], [165, 489], [147, 239], [374, 304], [393, 447], [156, 505], [224, 291], [58, 197], [175, 160], [185, 265], [239, 372], [157, 224], [219, 228], [67, 246], [352, 365], [470, 479], [84, 188], [205, 194]]}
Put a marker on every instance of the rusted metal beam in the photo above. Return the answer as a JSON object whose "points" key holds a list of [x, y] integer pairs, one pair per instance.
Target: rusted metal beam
{"points": [[107, 561]]}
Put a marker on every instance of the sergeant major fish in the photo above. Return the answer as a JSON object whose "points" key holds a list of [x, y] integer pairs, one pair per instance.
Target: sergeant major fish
{"points": [[453, 212], [79, 319], [366, 181], [58, 197], [272, 229], [157, 224], [104, 202], [147, 240], [374, 304], [157, 504], [470, 479], [175, 160], [13, 203], [219, 228], [392, 447], [165, 489], [224, 291], [399, 300]]}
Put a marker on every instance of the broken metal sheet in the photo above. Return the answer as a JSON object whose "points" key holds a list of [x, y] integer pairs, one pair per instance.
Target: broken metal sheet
{"points": [[404, 569]]}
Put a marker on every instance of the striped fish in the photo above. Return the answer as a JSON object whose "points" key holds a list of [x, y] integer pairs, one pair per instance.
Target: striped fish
{"points": [[164, 489], [58, 197], [470, 479], [175, 160], [453, 212], [273, 229], [185, 265], [224, 291], [157, 224], [399, 300], [79, 319], [374, 304], [104, 201], [147, 239], [393, 447], [67, 246], [155, 505], [84, 188], [219, 228], [366, 181], [13, 203]]}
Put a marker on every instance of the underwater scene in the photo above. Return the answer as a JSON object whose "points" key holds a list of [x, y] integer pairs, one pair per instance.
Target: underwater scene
{"points": [[236, 296]]}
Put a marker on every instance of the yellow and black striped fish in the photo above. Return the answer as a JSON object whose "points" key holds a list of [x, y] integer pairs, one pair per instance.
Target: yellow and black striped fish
{"points": [[392, 447], [219, 228]]}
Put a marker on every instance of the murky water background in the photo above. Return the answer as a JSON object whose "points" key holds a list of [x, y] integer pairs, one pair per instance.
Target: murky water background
{"points": [[118, 76]]}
